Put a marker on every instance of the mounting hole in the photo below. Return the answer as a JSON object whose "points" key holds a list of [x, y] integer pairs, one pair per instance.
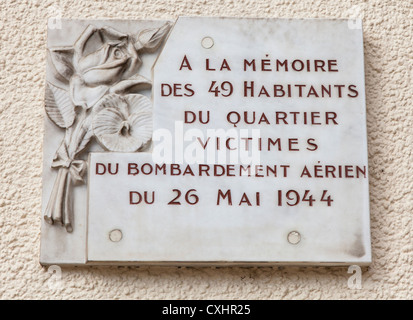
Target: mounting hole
{"points": [[115, 235], [207, 42], [294, 237]]}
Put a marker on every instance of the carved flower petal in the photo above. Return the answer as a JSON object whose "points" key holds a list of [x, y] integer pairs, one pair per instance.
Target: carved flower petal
{"points": [[119, 143], [109, 33], [108, 121], [141, 126], [134, 61], [131, 85], [112, 101], [83, 95], [138, 103], [123, 129]]}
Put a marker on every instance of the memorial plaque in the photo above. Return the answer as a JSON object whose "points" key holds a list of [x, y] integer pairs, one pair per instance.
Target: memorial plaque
{"points": [[205, 141]]}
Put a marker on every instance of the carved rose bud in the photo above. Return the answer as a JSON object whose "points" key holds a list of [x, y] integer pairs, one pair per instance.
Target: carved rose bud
{"points": [[123, 123]]}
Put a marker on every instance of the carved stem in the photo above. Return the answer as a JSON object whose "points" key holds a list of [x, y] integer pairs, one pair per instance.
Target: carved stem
{"points": [[59, 206], [68, 213], [49, 213]]}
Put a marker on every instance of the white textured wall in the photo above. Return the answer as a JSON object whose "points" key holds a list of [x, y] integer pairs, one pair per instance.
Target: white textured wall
{"points": [[388, 66]]}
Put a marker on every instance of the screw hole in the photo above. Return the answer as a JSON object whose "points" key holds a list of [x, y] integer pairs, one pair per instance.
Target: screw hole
{"points": [[115, 235], [294, 237], [207, 42]]}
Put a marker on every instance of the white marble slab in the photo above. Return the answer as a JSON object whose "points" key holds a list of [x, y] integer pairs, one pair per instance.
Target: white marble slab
{"points": [[306, 203]]}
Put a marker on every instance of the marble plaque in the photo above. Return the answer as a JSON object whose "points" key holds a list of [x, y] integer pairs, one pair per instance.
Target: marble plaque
{"points": [[205, 141]]}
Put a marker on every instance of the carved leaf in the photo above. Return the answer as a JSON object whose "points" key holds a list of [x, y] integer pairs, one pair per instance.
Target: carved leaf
{"points": [[150, 39], [59, 107], [61, 60]]}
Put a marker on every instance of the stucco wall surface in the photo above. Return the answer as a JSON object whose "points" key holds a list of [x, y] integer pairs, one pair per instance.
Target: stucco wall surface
{"points": [[388, 31]]}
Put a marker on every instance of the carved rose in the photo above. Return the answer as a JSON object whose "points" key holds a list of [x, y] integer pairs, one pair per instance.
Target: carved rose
{"points": [[103, 60]]}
